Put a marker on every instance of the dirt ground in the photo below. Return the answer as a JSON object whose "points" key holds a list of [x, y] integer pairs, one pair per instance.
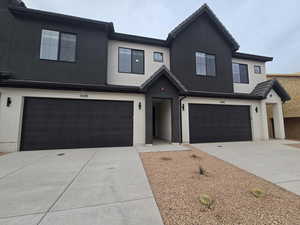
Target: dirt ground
{"points": [[2, 153], [177, 185]]}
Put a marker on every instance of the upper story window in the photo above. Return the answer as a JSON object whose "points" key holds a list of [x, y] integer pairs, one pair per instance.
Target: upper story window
{"points": [[240, 73], [257, 69], [131, 61], [158, 57], [205, 64], [58, 46]]}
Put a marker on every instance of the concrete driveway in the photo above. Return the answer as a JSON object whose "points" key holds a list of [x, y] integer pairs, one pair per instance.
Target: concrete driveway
{"points": [[273, 160], [90, 187]]}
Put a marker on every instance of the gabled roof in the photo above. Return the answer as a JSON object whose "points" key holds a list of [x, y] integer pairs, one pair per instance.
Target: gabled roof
{"points": [[263, 89], [163, 71], [204, 9]]}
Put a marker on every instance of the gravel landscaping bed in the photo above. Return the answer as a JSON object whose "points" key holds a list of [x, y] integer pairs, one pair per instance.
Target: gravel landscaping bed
{"points": [[177, 186], [294, 145]]}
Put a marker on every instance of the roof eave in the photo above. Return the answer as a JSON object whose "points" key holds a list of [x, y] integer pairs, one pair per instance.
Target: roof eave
{"points": [[137, 39], [67, 86], [247, 56], [60, 17], [224, 95]]}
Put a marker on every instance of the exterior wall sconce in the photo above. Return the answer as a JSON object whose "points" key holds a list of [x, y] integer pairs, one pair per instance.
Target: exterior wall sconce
{"points": [[8, 102], [256, 109], [182, 107], [140, 105]]}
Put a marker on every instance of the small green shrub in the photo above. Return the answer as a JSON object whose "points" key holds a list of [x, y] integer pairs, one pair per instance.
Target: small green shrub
{"points": [[194, 156], [258, 193], [202, 171], [206, 200], [164, 158]]}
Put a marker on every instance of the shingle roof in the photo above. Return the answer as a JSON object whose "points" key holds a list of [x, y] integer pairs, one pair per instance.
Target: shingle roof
{"points": [[163, 71], [18, 3], [263, 89], [204, 9]]}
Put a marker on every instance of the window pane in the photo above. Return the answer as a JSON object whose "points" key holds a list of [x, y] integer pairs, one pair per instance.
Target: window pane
{"points": [[67, 47], [124, 60], [257, 69], [244, 74], [236, 72], [137, 61], [211, 65], [49, 45], [158, 57], [200, 63]]}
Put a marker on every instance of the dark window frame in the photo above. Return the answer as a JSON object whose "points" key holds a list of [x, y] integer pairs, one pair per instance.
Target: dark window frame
{"points": [[247, 69], [260, 70], [59, 46], [131, 49], [162, 57], [205, 75]]}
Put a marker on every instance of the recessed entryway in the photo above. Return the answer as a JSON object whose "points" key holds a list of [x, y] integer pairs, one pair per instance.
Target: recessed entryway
{"points": [[162, 121]]}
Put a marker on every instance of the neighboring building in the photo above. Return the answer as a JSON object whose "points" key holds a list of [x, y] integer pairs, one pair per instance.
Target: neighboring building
{"points": [[291, 109], [69, 82]]}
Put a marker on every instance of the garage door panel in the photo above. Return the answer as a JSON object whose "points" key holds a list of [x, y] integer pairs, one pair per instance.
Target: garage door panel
{"points": [[214, 123], [71, 123]]}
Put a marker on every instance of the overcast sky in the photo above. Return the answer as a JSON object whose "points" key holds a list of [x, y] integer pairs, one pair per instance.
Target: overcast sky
{"points": [[264, 27]]}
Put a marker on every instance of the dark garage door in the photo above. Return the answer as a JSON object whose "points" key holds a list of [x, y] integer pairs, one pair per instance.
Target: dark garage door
{"points": [[217, 123], [50, 123]]}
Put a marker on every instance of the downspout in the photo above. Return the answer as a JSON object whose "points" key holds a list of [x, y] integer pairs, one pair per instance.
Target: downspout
{"points": [[180, 116]]}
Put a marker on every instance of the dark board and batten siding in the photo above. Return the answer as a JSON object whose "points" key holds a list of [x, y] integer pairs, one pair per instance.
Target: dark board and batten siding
{"points": [[50, 123], [219, 123], [24, 60], [202, 36]]}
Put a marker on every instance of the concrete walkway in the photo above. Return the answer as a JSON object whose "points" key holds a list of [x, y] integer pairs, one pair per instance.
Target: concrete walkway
{"points": [[105, 186], [273, 160]]}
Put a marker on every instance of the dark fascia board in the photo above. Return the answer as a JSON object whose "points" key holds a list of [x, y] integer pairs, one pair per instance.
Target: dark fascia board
{"points": [[113, 88], [203, 9], [60, 17], [279, 89], [260, 58], [138, 39], [223, 95], [67, 86], [163, 71]]}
